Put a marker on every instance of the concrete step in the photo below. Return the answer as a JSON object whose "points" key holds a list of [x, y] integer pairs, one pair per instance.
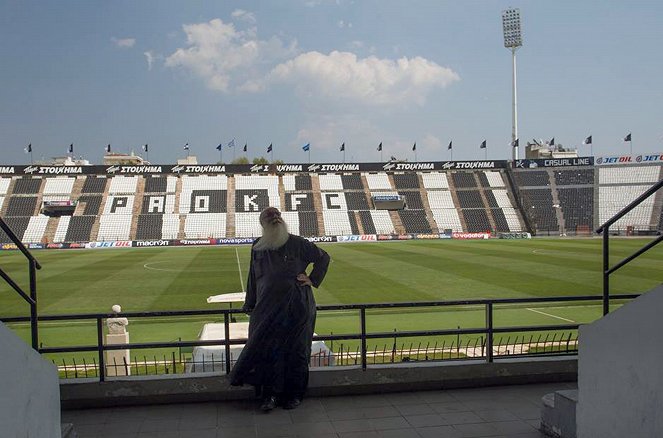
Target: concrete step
{"points": [[558, 414]]}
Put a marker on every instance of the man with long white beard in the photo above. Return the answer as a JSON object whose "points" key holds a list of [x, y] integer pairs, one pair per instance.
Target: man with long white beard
{"points": [[280, 302]]}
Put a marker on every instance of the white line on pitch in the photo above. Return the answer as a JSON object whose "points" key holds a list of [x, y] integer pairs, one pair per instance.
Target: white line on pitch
{"points": [[241, 280], [552, 316]]}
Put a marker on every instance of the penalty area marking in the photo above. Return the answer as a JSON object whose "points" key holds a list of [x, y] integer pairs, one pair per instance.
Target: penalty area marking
{"points": [[550, 315]]}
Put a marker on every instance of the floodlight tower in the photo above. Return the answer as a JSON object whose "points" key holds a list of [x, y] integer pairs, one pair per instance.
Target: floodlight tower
{"points": [[513, 39]]}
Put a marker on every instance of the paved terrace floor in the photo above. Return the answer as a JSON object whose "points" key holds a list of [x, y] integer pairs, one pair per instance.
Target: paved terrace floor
{"points": [[503, 411]]}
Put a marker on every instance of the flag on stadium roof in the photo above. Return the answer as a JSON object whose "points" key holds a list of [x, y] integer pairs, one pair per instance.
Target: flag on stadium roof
{"points": [[628, 137], [71, 148], [108, 149], [218, 148], [28, 148], [483, 145], [414, 146], [380, 147], [231, 143], [245, 146], [269, 148], [342, 147], [551, 142], [450, 146], [186, 147], [515, 143], [588, 140], [306, 147], [145, 147]]}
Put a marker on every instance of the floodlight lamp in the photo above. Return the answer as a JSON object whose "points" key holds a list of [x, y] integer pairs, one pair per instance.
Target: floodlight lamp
{"points": [[511, 26]]}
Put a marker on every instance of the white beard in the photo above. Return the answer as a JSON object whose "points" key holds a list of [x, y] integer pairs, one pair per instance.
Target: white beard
{"points": [[273, 236]]}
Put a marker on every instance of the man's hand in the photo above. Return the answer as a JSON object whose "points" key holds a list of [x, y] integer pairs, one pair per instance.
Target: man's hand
{"points": [[304, 280]]}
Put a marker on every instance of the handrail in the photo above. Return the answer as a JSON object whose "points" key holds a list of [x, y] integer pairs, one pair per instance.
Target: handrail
{"points": [[605, 229], [490, 305], [31, 299], [18, 243]]}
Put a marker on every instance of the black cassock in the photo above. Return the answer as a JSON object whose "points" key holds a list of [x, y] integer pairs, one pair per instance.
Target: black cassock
{"points": [[278, 351]]}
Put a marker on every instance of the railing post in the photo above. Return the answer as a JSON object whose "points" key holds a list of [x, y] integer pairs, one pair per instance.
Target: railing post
{"points": [[34, 327], [226, 324], [606, 271], [489, 332], [362, 317], [100, 349]]}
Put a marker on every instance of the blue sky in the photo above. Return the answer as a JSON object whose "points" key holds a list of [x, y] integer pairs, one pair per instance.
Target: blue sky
{"points": [[323, 72]]}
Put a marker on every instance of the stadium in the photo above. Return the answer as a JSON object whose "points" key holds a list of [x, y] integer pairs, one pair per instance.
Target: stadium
{"points": [[465, 297]]}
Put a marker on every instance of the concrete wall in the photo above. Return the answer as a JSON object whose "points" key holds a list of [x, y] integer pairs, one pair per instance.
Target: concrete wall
{"points": [[620, 372], [30, 392]]}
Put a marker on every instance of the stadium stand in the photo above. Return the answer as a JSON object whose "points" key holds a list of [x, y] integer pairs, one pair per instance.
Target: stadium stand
{"points": [[538, 204], [207, 225], [532, 178], [574, 177], [447, 219], [415, 221], [477, 220], [494, 178], [412, 199], [4, 185], [378, 181], [27, 186], [356, 201], [336, 222], [470, 199], [352, 181], [308, 223], [94, 184], [435, 180], [330, 182], [79, 229], [197, 207], [464, 180], [367, 223], [406, 181]]}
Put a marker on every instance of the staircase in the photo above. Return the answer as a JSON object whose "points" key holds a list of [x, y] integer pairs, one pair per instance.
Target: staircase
{"points": [[51, 228], [231, 227], [427, 210], [454, 196], [317, 203], [137, 208]]}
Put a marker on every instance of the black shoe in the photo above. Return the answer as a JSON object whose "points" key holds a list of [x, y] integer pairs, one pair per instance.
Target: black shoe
{"points": [[268, 404], [292, 403]]}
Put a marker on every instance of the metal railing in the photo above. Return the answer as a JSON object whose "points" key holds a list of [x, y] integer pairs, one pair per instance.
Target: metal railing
{"points": [[605, 229], [31, 299], [488, 330]]}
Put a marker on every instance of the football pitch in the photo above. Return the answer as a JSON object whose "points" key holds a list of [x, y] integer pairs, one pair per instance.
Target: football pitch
{"points": [[156, 279]]}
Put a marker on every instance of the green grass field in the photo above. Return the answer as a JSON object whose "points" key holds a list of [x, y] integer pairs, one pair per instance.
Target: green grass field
{"points": [[79, 281]]}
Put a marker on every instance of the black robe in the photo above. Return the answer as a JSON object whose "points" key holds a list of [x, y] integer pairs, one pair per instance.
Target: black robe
{"points": [[277, 353]]}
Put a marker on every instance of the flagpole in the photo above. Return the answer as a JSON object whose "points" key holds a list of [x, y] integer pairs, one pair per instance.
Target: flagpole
{"points": [[309, 155], [630, 142], [31, 159], [485, 154], [452, 153]]}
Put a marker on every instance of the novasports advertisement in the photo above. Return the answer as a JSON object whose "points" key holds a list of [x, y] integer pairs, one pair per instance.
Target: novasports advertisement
{"points": [[235, 241]]}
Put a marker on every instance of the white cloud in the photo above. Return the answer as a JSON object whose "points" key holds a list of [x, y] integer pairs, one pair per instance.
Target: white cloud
{"points": [[150, 57], [241, 14], [224, 56], [343, 24], [124, 43], [371, 80]]}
